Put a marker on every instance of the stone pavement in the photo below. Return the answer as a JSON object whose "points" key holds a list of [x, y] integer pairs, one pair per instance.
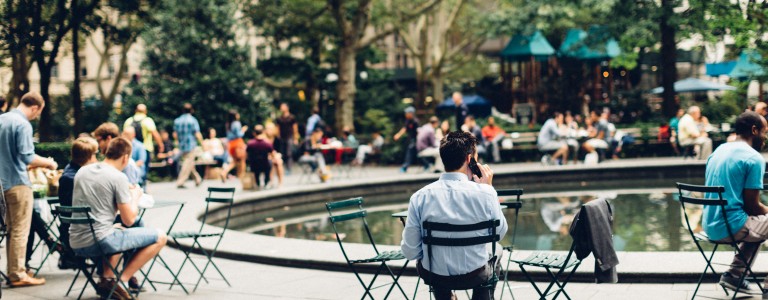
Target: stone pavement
{"points": [[260, 281]]}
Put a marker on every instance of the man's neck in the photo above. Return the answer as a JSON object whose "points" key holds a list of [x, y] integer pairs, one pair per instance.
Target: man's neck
{"points": [[114, 163], [25, 111]]}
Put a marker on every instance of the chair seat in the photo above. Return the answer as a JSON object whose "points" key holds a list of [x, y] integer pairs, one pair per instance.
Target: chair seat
{"points": [[547, 260], [702, 236], [383, 256], [191, 234]]}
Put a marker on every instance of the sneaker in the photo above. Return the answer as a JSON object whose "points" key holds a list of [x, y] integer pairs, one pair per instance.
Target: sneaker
{"points": [[403, 170], [28, 281], [730, 282]]}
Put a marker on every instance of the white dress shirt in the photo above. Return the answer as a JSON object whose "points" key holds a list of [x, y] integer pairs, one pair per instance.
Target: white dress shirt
{"points": [[455, 200]]}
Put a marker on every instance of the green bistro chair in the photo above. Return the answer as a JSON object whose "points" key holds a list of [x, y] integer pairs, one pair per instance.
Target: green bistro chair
{"points": [[380, 258], [88, 270], [701, 237], [49, 226], [491, 237], [224, 196], [516, 205]]}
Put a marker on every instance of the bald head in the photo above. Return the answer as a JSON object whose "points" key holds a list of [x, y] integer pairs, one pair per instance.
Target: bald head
{"points": [[129, 133], [141, 108], [695, 112], [760, 108]]}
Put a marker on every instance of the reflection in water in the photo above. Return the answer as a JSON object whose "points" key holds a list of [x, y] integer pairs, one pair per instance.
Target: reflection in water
{"points": [[642, 222]]}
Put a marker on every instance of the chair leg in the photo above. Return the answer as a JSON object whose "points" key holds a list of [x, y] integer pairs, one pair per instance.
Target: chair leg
{"points": [[370, 285], [506, 279], [396, 278], [528, 276], [708, 267], [747, 270], [561, 287]]}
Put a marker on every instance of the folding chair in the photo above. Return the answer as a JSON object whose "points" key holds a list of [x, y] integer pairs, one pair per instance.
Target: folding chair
{"points": [[555, 265], [306, 172], [516, 205], [684, 191], [49, 226], [3, 234], [225, 196], [380, 257], [492, 237], [88, 270]]}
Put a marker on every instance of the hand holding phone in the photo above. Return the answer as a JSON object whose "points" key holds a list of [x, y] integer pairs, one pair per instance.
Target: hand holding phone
{"points": [[481, 173], [474, 168]]}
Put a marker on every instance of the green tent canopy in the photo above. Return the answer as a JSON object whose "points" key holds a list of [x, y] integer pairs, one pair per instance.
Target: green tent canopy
{"points": [[522, 47], [593, 45], [746, 65]]}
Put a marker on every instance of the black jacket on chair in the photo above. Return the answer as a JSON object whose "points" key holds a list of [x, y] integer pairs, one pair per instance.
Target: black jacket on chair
{"points": [[592, 233]]}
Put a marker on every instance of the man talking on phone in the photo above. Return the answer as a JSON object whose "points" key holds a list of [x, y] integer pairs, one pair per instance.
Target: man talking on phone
{"points": [[455, 199]]}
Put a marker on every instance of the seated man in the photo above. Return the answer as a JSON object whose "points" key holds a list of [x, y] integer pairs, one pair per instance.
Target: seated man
{"points": [[259, 151], [599, 134], [739, 167], [313, 156], [455, 199], [139, 154], [104, 135], [83, 153], [550, 139], [373, 147], [427, 145], [106, 190], [493, 135], [689, 133]]}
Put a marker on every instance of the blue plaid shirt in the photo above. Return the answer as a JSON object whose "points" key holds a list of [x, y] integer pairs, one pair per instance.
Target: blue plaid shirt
{"points": [[186, 127]]}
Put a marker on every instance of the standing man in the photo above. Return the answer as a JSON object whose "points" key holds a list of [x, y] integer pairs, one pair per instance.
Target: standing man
{"points": [[187, 132], [427, 144], [738, 166], [17, 153], [289, 135], [690, 134], [454, 199], [462, 111], [146, 131], [312, 122], [410, 127]]}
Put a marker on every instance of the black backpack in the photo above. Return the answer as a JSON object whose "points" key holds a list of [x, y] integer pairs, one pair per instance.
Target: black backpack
{"points": [[137, 127]]}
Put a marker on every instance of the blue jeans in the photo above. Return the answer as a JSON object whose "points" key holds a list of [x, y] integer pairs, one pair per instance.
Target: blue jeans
{"points": [[126, 241], [410, 154]]}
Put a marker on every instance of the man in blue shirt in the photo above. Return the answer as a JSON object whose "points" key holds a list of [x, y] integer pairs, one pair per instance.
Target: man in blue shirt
{"points": [[139, 155], [455, 199], [312, 122], [17, 153], [187, 132], [739, 168]]}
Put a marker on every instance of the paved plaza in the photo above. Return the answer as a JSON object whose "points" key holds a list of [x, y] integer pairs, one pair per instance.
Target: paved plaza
{"points": [[260, 281]]}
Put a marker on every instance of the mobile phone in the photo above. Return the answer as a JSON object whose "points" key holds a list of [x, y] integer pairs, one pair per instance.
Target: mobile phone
{"points": [[474, 168]]}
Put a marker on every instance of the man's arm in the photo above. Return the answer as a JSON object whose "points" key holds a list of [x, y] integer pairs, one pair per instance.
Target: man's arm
{"points": [[39, 162], [399, 134], [127, 202], [411, 242], [158, 142], [752, 204], [295, 133]]}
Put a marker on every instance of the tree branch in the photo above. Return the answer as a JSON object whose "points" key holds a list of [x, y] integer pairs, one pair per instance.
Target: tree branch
{"points": [[339, 13], [367, 40]]}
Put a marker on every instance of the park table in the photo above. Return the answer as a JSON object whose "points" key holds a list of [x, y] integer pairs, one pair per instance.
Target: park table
{"points": [[162, 204]]}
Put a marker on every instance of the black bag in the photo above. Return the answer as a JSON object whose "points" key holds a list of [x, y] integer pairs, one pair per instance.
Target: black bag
{"points": [[137, 127]]}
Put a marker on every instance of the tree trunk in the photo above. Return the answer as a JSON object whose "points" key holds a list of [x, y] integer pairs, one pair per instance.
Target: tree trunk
{"points": [[313, 84], [668, 59], [45, 118], [345, 87], [19, 84], [77, 106], [438, 87]]}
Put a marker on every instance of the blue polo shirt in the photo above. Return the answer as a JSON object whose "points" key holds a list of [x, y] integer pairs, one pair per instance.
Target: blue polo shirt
{"points": [[186, 126], [16, 149], [735, 166]]}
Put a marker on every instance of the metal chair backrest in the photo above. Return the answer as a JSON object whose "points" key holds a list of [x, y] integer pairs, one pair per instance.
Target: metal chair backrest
{"points": [[516, 205], [218, 195], [84, 219], [359, 213], [685, 198], [430, 240]]}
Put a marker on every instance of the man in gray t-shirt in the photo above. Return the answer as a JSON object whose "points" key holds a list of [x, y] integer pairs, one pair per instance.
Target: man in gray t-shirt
{"points": [[106, 190], [549, 139]]}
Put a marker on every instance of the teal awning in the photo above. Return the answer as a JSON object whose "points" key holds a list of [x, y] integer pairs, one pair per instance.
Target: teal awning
{"points": [[723, 68], [522, 47], [595, 45], [746, 65]]}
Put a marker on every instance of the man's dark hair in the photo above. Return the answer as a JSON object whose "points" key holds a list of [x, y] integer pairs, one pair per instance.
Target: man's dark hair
{"points": [[745, 121], [187, 108], [455, 147], [118, 148]]}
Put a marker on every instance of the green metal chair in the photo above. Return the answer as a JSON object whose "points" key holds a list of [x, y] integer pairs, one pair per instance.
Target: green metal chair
{"points": [[88, 270], [492, 237], [224, 196], [516, 205], [380, 258], [555, 265], [49, 226], [684, 191]]}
